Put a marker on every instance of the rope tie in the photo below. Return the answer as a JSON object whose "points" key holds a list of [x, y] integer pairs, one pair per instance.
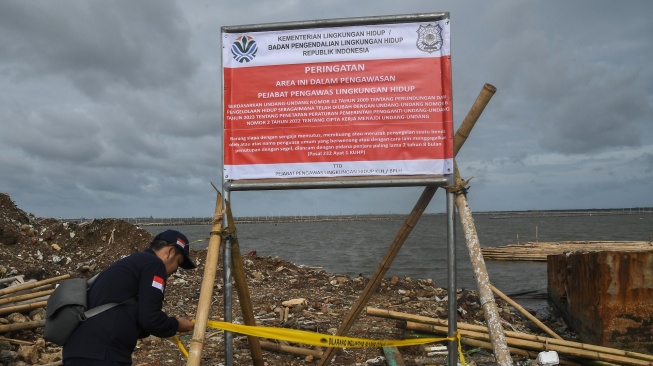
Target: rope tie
{"points": [[459, 188]]}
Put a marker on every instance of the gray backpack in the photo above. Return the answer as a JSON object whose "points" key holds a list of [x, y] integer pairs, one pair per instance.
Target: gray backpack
{"points": [[67, 307]]}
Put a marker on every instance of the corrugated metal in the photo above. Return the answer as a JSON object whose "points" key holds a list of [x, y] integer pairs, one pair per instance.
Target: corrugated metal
{"points": [[606, 297]]}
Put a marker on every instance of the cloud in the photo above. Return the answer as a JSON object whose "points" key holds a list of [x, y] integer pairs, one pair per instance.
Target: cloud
{"points": [[114, 108], [95, 44]]}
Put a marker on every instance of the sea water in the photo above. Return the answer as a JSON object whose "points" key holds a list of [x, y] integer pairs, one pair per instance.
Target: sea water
{"points": [[356, 247]]}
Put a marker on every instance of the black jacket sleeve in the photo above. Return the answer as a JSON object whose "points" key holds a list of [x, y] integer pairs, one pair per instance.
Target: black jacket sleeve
{"points": [[151, 318]]}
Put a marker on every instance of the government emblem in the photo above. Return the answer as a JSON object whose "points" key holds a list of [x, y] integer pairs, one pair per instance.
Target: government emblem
{"points": [[244, 49], [429, 38]]}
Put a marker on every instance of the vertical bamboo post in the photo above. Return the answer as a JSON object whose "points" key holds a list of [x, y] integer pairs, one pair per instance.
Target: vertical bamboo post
{"points": [[206, 292], [240, 277], [495, 330], [459, 139]]}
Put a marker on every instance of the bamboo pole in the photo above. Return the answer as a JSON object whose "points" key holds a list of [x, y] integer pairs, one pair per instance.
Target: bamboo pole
{"points": [[490, 310], [393, 356], [22, 308], [206, 291], [240, 278], [21, 326], [12, 299], [524, 312], [537, 346], [28, 301], [390, 314], [16, 341], [514, 351], [10, 279], [27, 286], [488, 345], [24, 302], [538, 251], [459, 139], [290, 349], [56, 363]]}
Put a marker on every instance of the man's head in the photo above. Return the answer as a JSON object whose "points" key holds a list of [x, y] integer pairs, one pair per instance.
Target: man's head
{"points": [[174, 249]]}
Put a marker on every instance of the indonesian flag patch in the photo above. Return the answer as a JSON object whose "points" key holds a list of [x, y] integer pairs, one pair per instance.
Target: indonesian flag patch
{"points": [[181, 243], [158, 283]]}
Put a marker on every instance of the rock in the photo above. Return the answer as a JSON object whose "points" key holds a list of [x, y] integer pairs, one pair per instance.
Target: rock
{"points": [[7, 356], [29, 354], [293, 302], [37, 314], [17, 318]]}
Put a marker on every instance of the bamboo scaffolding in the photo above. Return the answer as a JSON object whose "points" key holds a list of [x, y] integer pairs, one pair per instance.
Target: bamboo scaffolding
{"points": [[206, 290], [459, 139], [538, 251], [20, 326], [418, 319], [29, 286]]}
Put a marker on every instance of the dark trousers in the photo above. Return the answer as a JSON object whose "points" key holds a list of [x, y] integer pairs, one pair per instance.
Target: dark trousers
{"points": [[89, 362]]}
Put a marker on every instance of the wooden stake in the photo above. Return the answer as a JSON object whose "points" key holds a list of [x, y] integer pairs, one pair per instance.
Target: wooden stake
{"points": [[459, 139], [206, 292]]}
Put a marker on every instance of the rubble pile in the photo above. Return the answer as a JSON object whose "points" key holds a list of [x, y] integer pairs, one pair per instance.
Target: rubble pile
{"points": [[282, 295]]}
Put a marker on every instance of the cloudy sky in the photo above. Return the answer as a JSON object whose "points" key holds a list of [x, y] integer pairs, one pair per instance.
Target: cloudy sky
{"points": [[113, 108]]}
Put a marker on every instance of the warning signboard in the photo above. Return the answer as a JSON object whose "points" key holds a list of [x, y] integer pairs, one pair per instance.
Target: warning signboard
{"points": [[338, 101]]}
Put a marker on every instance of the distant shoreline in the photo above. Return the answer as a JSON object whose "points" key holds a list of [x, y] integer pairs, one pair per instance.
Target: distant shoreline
{"points": [[181, 221]]}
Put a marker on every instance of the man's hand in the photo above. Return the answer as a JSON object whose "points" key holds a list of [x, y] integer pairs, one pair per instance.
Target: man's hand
{"points": [[185, 324]]}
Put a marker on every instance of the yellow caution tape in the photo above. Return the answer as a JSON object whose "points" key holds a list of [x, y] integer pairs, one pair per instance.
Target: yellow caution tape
{"points": [[319, 339], [181, 346]]}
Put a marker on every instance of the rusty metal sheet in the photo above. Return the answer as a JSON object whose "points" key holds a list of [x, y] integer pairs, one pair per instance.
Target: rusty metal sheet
{"points": [[606, 297]]}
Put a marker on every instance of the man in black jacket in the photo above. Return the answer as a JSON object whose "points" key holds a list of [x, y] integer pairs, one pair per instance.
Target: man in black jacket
{"points": [[109, 338]]}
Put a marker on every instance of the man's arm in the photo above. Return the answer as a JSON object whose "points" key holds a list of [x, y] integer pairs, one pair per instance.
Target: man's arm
{"points": [[151, 317]]}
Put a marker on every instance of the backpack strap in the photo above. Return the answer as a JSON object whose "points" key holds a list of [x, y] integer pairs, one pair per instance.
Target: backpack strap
{"points": [[99, 309]]}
